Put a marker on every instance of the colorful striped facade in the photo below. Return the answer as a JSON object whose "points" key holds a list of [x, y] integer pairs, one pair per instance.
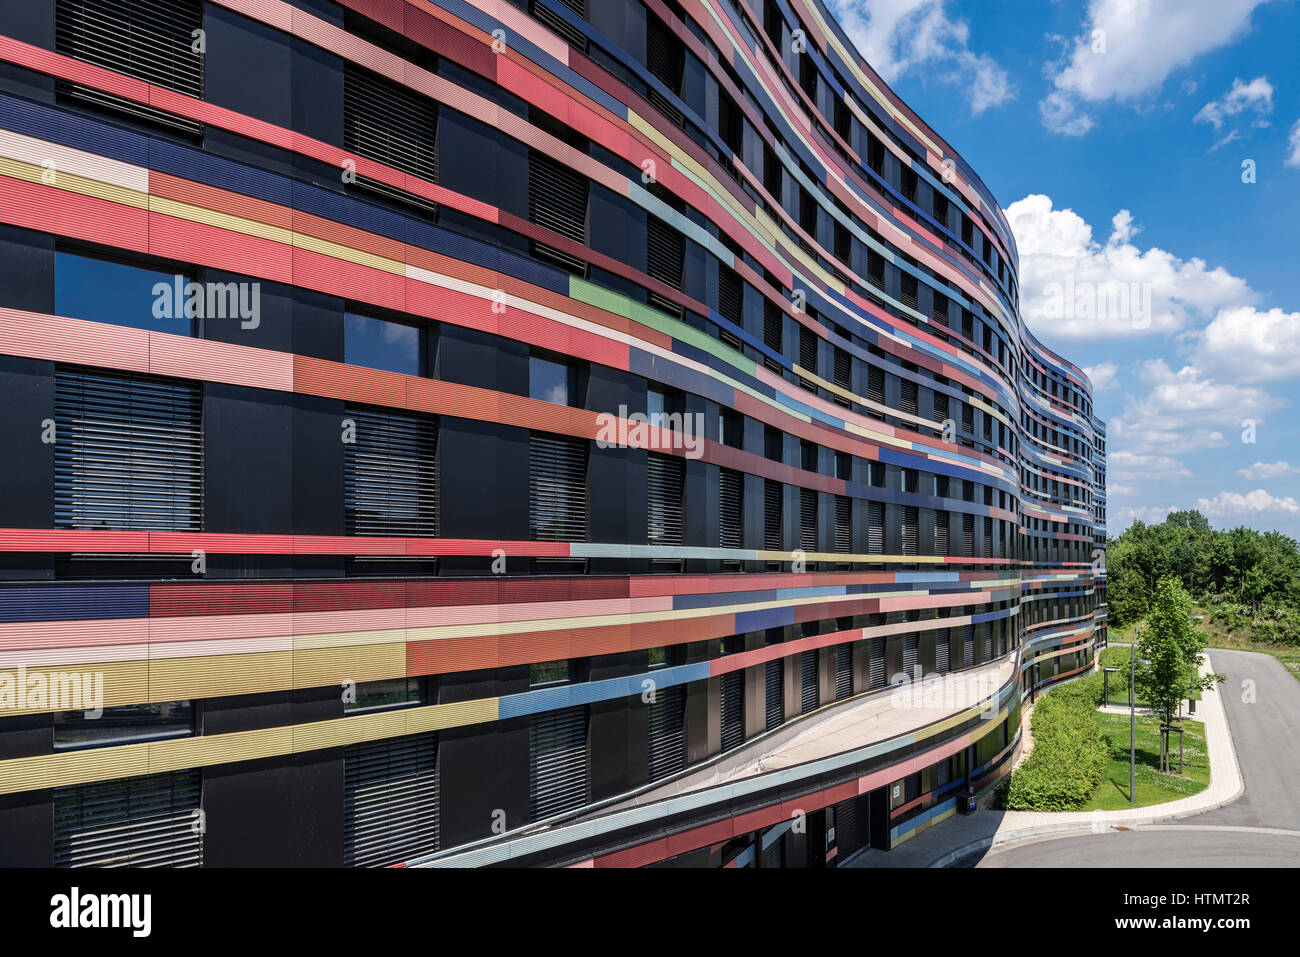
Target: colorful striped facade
{"points": [[414, 649]]}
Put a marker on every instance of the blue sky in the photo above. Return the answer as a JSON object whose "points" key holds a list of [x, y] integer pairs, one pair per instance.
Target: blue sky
{"points": [[1114, 133]]}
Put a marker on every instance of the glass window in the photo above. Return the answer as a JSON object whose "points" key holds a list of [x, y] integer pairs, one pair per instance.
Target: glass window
{"points": [[123, 723], [378, 344], [99, 290], [389, 693], [552, 381], [658, 657], [549, 672]]}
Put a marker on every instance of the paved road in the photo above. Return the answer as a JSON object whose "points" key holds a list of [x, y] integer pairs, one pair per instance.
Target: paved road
{"points": [[1266, 735]]}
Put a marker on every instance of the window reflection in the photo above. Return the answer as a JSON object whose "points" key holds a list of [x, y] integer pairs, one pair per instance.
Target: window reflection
{"points": [[99, 290], [378, 344]]}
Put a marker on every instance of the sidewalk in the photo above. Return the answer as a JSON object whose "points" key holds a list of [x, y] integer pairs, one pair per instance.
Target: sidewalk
{"points": [[964, 835]]}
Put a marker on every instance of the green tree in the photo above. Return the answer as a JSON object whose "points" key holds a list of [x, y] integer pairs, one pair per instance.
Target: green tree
{"points": [[1173, 649]]}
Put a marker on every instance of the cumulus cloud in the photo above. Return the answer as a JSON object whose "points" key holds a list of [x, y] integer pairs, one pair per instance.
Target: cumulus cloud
{"points": [[1265, 471], [1293, 146], [1074, 287], [1102, 375], [1256, 96], [1127, 48], [1252, 345], [1118, 519], [1258, 502], [901, 36], [1135, 467]]}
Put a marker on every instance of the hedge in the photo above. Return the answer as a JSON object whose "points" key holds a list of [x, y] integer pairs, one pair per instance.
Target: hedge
{"points": [[1070, 755]]}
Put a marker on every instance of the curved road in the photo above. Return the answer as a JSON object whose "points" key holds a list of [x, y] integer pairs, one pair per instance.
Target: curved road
{"points": [[1260, 829]]}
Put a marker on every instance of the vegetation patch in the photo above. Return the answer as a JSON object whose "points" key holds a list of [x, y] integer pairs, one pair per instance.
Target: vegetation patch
{"points": [[1070, 753]]}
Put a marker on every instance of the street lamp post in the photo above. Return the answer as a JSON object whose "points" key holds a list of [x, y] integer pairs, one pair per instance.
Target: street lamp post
{"points": [[1132, 716]]}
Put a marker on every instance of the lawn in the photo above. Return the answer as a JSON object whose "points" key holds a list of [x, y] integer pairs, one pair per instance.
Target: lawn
{"points": [[1152, 786]]}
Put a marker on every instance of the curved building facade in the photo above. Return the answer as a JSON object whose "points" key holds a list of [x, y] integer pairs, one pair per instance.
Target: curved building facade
{"points": [[556, 432]]}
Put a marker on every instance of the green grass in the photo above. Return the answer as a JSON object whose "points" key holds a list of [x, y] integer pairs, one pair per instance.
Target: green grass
{"points": [[1152, 786]]}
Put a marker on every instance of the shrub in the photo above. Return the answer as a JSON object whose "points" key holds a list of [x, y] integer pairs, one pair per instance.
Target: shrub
{"points": [[1069, 757]]}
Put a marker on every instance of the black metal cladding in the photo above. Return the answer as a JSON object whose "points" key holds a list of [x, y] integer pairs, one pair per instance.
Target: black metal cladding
{"points": [[389, 123], [850, 829], [730, 509], [146, 821], [665, 488], [667, 732], [390, 474], [771, 515], [730, 123], [665, 58], [809, 693], [390, 800], [774, 694], [733, 710], [151, 40], [843, 671], [557, 762], [571, 34], [557, 197], [808, 350], [876, 385], [808, 519], [557, 491], [129, 453]]}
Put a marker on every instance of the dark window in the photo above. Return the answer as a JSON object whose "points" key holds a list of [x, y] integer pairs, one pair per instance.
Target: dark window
{"points": [[552, 381], [809, 692], [151, 40], [379, 344], [875, 269], [773, 322], [144, 821], [551, 672], [908, 403], [129, 453], [875, 528], [389, 693], [730, 123], [732, 705], [665, 487], [730, 509], [557, 766], [875, 385], [100, 290], [808, 349], [557, 200], [123, 723], [665, 250], [557, 507], [808, 519], [667, 732], [390, 473], [941, 533], [389, 123], [843, 511], [909, 184], [772, 515], [665, 57], [875, 154], [390, 800], [730, 294], [843, 244], [774, 693], [909, 530], [877, 665], [907, 290], [843, 671]]}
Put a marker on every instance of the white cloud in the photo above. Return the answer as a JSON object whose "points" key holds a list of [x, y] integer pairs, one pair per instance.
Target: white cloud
{"points": [[1061, 114], [1119, 519], [1257, 502], [1073, 287], [1252, 345], [1132, 466], [900, 36], [1293, 145], [1264, 471], [1127, 48], [1256, 96], [1102, 375]]}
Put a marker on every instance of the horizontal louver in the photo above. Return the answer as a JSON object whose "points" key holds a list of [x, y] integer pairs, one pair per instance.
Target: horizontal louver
{"points": [[557, 197], [875, 528], [389, 123], [907, 290], [665, 249], [939, 310], [843, 524], [146, 821], [941, 651], [665, 57], [876, 385], [968, 647], [843, 370], [667, 732], [986, 631], [908, 403], [909, 530], [730, 509], [772, 515], [151, 40], [665, 481], [390, 800], [910, 643], [733, 710], [809, 693], [774, 693], [843, 671], [808, 350], [557, 506], [571, 34], [850, 832], [128, 452], [877, 662], [730, 294], [390, 474], [808, 519], [941, 533], [772, 324], [557, 762], [968, 535]]}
